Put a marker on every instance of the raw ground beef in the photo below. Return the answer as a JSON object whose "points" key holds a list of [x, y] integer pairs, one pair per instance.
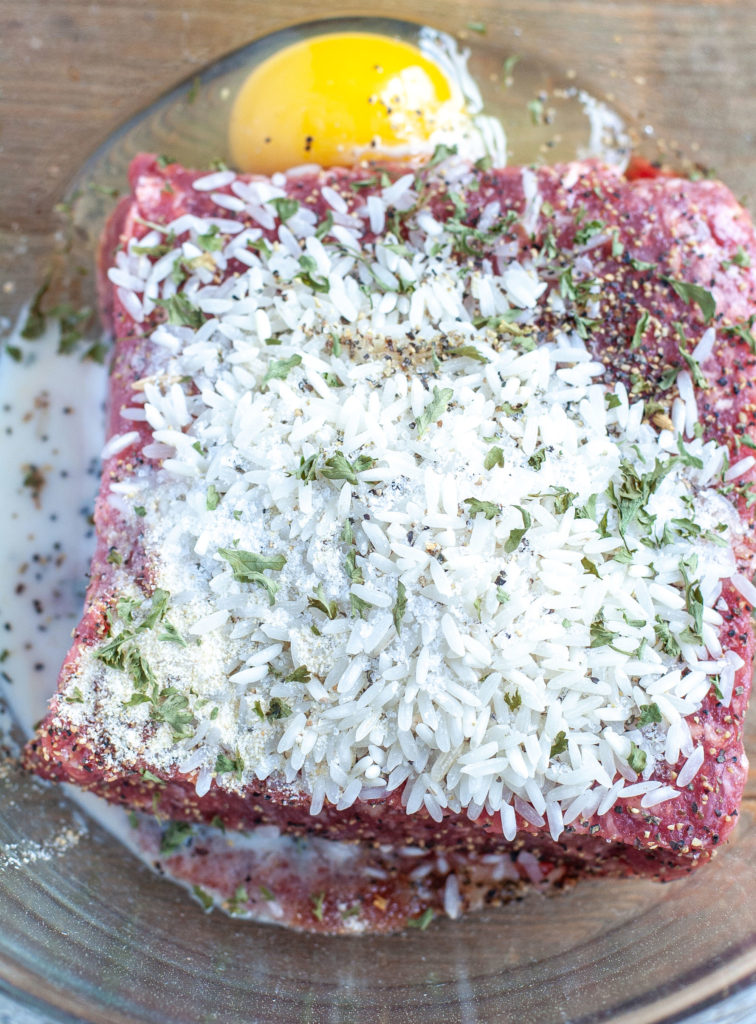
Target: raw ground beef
{"points": [[662, 227]]}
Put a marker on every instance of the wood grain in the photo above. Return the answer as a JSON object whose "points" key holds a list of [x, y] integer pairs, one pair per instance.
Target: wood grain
{"points": [[72, 70]]}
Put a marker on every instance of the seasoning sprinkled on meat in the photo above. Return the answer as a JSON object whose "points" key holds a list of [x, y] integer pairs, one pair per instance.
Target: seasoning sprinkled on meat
{"points": [[426, 513]]}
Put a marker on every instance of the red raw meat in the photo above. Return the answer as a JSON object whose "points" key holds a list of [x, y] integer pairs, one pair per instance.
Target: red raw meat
{"points": [[688, 231]]}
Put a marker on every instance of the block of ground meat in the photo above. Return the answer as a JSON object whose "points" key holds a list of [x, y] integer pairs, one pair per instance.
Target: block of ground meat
{"points": [[426, 512]]}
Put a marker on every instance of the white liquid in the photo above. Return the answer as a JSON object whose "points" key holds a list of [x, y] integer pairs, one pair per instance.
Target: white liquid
{"points": [[52, 417]]}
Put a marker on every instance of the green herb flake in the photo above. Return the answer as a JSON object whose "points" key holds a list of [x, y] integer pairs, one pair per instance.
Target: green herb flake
{"points": [[266, 894], [260, 246], [338, 467], [693, 597], [363, 183], [469, 352], [181, 312], [642, 265], [158, 250], [740, 259], [400, 605], [590, 567], [316, 282], [212, 498], [352, 569], [135, 699], [694, 294], [137, 668], [515, 537], [686, 458], [172, 708], [487, 508], [175, 835], [109, 191], [277, 709], [537, 459], [434, 410], [140, 510], [649, 715], [126, 608], [440, 153], [158, 607], [588, 231], [237, 904], [307, 470], [494, 457], [36, 320], [203, 896], [76, 697], [666, 638], [224, 764], [114, 557], [563, 499], [513, 701], [171, 635], [508, 67], [695, 370], [477, 26], [319, 602], [559, 745], [600, 635], [324, 227], [636, 758], [212, 240], [618, 247], [358, 606], [301, 674], [535, 109], [284, 207], [630, 497], [422, 921], [640, 329], [250, 567], [317, 901], [149, 777], [279, 369]]}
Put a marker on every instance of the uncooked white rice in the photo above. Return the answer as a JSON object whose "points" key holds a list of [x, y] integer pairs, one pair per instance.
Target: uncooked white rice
{"points": [[436, 613]]}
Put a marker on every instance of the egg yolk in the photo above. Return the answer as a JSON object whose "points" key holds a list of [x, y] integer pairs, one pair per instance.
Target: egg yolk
{"points": [[337, 99]]}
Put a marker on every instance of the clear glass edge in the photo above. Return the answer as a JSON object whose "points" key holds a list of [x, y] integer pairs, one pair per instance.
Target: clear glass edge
{"points": [[735, 986]]}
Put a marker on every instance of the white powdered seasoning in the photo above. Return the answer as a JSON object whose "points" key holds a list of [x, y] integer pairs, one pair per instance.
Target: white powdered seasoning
{"points": [[394, 548]]}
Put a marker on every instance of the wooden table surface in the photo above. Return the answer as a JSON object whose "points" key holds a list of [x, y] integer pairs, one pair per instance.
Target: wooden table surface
{"points": [[72, 70]]}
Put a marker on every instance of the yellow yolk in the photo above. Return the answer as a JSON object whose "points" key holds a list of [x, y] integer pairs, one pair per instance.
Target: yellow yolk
{"points": [[336, 99]]}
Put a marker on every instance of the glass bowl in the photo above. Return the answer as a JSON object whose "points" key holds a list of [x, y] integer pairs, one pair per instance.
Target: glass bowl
{"points": [[88, 933]]}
